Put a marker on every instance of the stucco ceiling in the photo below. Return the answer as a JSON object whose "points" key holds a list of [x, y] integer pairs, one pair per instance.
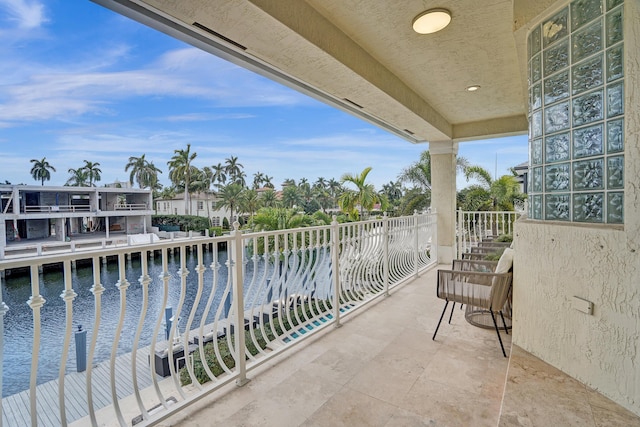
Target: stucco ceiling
{"points": [[363, 56]]}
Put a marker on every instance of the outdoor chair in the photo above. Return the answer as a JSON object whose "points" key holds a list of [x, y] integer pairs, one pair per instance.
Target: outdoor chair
{"points": [[487, 290]]}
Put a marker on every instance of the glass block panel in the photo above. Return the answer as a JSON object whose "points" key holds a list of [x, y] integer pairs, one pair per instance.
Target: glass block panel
{"points": [[615, 100], [557, 148], [587, 207], [583, 11], [556, 87], [556, 58], [613, 3], [536, 68], [537, 180], [615, 172], [536, 152], [586, 75], [587, 174], [615, 136], [536, 124], [614, 27], [557, 207], [536, 207], [615, 66], [535, 40], [586, 41], [556, 117], [588, 142], [536, 96], [555, 28], [615, 208], [588, 108], [557, 177]]}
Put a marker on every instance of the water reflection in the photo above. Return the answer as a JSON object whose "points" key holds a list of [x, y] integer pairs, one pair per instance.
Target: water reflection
{"points": [[18, 338]]}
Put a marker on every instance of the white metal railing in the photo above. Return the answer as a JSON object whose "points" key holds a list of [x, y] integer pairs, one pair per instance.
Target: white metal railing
{"points": [[57, 208], [256, 299], [473, 227], [130, 206]]}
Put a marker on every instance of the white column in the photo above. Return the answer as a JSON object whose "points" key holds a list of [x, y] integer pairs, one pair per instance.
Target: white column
{"points": [[443, 195]]}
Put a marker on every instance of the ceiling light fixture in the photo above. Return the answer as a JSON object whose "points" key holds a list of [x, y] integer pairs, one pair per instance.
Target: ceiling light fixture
{"points": [[473, 88], [431, 21]]}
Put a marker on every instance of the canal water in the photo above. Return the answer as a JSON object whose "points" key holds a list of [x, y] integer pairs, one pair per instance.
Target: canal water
{"points": [[18, 337]]}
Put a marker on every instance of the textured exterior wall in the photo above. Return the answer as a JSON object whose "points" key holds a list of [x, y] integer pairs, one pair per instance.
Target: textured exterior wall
{"points": [[555, 262]]}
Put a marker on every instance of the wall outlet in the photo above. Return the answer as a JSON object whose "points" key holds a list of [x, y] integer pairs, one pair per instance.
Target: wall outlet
{"points": [[582, 305]]}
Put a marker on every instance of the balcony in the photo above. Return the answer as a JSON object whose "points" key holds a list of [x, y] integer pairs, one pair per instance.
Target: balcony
{"points": [[380, 367]]}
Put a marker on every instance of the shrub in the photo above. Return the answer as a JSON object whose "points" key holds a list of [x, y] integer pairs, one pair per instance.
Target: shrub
{"points": [[185, 222], [215, 231]]}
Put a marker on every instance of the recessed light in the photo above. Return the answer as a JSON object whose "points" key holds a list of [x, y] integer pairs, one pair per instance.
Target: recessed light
{"points": [[431, 21], [473, 88]]}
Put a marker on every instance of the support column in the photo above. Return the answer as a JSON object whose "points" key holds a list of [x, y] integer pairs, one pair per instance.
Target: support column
{"points": [[443, 196]]}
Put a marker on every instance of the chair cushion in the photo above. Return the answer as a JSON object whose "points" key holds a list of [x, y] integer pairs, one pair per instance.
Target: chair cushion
{"points": [[506, 261]]}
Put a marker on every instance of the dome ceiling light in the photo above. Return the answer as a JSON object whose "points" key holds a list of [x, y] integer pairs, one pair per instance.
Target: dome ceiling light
{"points": [[473, 88], [431, 21]]}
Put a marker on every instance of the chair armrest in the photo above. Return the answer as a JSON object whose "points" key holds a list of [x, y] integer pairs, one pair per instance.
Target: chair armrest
{"points": [[484, 290], [474, 265]]}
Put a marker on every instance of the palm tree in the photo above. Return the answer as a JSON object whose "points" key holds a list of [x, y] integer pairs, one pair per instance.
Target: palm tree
{"points": [[288, 182], [180, 172], [268, 181], [93, 171], [258, 179], [78, 178], [142, 171], [364, 194], [233, 168], [167, 193], [41, 170], [230, 196], [250, 202], [269, 198], [219, 175], [501, 192], [291, 196]]}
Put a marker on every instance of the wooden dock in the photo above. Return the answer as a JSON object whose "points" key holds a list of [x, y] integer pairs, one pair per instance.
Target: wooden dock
{"points": [[16, 408]]}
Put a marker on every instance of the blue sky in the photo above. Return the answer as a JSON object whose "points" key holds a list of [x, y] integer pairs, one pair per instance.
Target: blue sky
{"points": [[79, 82]]}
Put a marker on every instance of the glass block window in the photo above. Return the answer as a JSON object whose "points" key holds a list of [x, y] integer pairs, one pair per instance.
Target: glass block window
{"points": [[576, 114]]}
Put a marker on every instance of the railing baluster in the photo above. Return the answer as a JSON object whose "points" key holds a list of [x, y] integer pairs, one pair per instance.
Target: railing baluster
{"points": [[35, 302], [3, 311], [144, 281], [335, 269], [122, 286], [183, 273], [238, 301], [97, 289], [68, 296]]}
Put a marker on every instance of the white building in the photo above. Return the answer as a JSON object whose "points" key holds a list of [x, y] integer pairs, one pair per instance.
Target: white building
{"points": [[201, 204], [29, 212]]}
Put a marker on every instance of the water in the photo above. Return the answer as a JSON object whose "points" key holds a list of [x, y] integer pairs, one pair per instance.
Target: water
{"points": [[18, 337]]}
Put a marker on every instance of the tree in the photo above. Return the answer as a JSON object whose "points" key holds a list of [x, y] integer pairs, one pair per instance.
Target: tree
{"points": [[234, 169], [41, 170], [291, 197], [219, 175], [364, 195], [180, 171], [78, 178], [268, 181], [144, 173], [230, 197], [269, 198], [250, 202], [501, 192], [258, 179], [269, 219], [92, 171]]}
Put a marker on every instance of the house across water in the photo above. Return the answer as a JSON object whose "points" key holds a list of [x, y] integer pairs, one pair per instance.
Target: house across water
{"points": [[31, 213]]}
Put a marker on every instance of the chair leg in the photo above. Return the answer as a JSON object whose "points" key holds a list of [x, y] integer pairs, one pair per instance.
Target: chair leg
{"points": [[440, 321], [451, 315], [504, 323], [495, 324]]}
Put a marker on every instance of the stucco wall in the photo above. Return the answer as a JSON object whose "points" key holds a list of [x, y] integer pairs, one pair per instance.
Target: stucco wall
{"points": [[555, 262], [552, 264]]}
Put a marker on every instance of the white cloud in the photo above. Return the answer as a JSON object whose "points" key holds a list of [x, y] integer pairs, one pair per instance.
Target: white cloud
{"points": [[26, 14]]}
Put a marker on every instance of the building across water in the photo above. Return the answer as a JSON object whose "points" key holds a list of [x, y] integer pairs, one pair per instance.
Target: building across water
{"points": [[32, 213]]}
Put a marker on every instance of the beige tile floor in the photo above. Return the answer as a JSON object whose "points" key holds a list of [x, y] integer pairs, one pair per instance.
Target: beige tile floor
{"points": [[381, 368]]}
